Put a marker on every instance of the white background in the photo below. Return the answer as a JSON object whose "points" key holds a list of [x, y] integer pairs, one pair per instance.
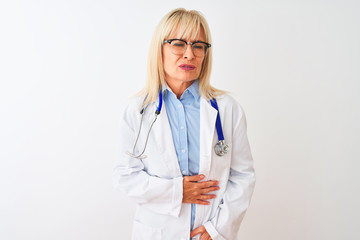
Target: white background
{"points": [[68, 67]]}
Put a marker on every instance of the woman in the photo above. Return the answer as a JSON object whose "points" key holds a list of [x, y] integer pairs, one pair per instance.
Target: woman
{"points": [[184, 187]]}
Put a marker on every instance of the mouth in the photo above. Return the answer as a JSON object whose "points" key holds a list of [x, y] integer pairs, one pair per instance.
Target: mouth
{"points": [[187, 67]]}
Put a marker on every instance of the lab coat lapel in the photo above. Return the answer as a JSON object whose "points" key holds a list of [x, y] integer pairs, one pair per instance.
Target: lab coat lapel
{"points": [[207, 130], [165, 143]]}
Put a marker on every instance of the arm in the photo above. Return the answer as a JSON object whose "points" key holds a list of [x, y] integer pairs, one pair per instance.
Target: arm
{"points": [[160, 195], [240, 186]]}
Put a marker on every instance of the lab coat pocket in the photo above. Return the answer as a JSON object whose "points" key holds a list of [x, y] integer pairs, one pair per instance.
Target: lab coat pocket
{"points": [[142, 231]]}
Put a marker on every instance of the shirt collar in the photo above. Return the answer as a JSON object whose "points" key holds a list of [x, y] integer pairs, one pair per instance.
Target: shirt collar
{"points": [[193, 89]]}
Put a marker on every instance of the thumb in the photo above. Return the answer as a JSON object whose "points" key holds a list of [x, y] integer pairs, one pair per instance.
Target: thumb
{"points": [[196, 231], [194, 178]]}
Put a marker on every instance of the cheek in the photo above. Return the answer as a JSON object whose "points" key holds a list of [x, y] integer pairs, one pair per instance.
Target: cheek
{"points": [[166, 60], [170, 62], [200, 66]]}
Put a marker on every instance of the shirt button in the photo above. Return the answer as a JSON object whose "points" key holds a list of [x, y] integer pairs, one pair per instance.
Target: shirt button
{"points": [[182, 127], [183, 150], [184, 172], [179, 106]]}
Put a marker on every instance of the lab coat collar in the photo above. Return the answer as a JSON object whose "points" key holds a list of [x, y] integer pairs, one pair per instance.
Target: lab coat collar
{"points": [[165, 143], [164, 140], [207, 130]]}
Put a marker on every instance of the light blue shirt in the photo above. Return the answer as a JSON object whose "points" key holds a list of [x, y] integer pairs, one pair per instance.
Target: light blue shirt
{"points": [[184, 119]]}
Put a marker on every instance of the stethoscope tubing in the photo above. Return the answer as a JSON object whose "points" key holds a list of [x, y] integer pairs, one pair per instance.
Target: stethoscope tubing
{"points": [[218, 121], [157, 112], [220, 148]]}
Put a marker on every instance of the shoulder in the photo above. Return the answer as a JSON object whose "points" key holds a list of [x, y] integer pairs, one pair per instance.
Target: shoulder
{"points": [[226, 98], [132, 108], [229, 104], [132, 105]]}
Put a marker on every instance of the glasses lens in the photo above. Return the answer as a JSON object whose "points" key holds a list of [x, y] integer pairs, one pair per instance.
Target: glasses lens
{"points": [[199, 49], [178, 47]]}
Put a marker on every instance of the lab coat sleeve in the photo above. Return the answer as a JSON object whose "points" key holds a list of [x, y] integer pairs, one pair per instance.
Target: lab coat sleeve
{"points": [[160, 195], [240, 186]]}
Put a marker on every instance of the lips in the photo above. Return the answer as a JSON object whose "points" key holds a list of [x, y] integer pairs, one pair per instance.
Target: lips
{"points": [[187, 67]]}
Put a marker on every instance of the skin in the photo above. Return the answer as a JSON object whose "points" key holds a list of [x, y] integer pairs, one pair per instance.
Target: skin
{"points": [[176, 78], [179, 80], [203, 233]]}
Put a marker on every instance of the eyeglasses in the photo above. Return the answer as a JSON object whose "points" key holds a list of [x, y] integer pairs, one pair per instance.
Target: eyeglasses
{"points": [[178, 47]]}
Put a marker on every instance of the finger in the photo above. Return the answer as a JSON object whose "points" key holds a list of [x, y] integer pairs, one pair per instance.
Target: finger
{"points": [[207, 196], [201, 202], [209, 189], [194, 178], [205, 235], [196, 231], [207, 184]]}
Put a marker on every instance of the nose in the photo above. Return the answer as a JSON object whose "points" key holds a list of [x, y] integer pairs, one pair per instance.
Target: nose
{"points": [[188, 52]]}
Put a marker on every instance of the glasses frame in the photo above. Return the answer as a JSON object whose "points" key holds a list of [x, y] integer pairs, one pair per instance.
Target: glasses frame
{"points": [[208, 45]]}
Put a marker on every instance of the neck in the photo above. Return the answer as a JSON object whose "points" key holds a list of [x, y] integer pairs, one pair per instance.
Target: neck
{"points": [[178, 87]]}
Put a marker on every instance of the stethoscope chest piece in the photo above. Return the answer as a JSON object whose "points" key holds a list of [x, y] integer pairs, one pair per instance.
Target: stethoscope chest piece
{"points": [[221, 148]]}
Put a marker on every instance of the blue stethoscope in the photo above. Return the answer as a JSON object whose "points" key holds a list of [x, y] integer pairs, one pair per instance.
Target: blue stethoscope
{"points": [[220, 148]]}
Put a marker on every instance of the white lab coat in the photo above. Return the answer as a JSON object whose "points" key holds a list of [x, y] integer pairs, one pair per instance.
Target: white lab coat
{"points": [[155, 183]]}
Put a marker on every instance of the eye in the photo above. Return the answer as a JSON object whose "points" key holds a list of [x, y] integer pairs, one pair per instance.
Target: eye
{"points": [[199, 46], [177, 43]]}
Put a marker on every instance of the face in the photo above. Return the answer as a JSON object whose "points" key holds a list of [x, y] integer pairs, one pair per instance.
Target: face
{"points": [[182, 69]]}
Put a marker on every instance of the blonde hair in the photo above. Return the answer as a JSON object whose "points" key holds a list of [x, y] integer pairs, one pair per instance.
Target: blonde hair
{"points": [[186, 23]]}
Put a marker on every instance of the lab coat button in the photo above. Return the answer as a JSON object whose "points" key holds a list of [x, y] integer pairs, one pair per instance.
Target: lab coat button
{"points": [[183, 150], [184, 172]]}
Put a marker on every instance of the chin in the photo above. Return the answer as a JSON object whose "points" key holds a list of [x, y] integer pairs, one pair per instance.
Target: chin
{"points": [[189, 78]]}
